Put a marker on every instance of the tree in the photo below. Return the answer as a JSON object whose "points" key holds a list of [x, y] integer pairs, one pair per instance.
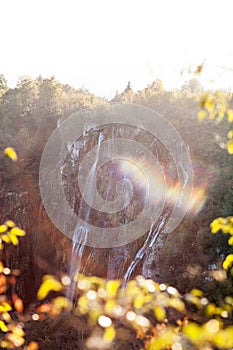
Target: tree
{"points": [[195, 86], [3, 85], [160, 315]]}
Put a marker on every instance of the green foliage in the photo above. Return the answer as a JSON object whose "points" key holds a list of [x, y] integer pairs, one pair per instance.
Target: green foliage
{"points": [[133, 303], [12, 334], [159, 315], [226, 226], [215, 105], [3, 84]]}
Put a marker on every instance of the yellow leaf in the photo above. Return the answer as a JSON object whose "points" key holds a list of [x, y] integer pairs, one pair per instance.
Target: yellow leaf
{"points": [[109, 306], [220, 117], [94, 315], [224, 338], [230, 241], [209, 104], [49, 284], [212, 114], [228, 261], [138, 301], [112, 288], [6, 316], [83, 304], [211, 309], [230, 226], [196, 292], [194, 333], [230, 146], [10, 223], [3, 228], [201, 115], [47, 277], [230, 115], [4, 307], [160, 313], [5, 344], [10, 152], [109, 334], [230, 134], [5, 238], [13, 238], [1, 266], [3, 327], [17, 231], [177, 304], [15, 339], [96, 280], [18, 331], [215, 226], [60, 304]]}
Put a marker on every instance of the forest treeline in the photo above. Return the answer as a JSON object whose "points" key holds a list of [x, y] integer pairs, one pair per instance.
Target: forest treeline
{"points": [[31, 111]]}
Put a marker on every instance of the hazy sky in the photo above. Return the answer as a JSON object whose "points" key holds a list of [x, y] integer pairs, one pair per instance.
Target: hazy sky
{"points": [[102, 44]]}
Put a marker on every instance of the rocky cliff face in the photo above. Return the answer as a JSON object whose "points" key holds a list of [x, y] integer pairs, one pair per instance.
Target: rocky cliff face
{"points": [[45, 249]]}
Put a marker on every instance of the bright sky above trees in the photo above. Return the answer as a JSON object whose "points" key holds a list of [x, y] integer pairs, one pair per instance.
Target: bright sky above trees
{"points": [[103, 44]]}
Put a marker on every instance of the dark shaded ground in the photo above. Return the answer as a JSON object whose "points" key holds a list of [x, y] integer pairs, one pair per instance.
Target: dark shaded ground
{"points": [[67, 333]]}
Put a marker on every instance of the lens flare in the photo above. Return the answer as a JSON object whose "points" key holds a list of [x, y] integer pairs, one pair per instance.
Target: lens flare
{"points": [[157, 179]]}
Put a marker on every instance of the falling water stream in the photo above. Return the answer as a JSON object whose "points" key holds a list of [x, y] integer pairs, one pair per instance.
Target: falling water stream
{"points": [[121, 183], [80, 233]]}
